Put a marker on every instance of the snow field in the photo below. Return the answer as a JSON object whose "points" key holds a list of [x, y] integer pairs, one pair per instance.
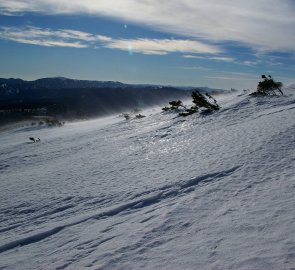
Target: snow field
{"points": [[162, 192]]}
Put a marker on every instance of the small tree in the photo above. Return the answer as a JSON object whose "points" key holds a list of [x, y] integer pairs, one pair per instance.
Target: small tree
{"points": [[126, 116], [139, 116], [268, 86], [174, 105], [199, 100], [189, 111]]}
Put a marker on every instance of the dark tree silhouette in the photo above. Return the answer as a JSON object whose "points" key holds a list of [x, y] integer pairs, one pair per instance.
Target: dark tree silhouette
{"points": [[174, 105], [268, 86], [139, 116], [199, 100]]}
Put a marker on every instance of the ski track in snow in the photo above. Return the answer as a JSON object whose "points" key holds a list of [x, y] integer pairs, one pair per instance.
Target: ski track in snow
{"points": [[162, 192]]}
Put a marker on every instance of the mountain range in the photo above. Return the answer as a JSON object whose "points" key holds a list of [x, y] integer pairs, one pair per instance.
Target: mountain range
{"points": [[69, 98]]}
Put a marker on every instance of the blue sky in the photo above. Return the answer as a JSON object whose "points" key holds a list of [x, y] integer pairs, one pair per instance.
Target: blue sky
{"points": [[221, 44]]}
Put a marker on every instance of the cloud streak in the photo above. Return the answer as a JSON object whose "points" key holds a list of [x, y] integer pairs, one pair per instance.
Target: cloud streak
{"points": [[262, 25], [214, 58], [78, 39], [162, 46], [42, 37]]}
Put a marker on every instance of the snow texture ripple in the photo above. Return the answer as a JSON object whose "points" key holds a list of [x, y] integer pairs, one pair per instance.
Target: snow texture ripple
{"points": [[161, 192]]}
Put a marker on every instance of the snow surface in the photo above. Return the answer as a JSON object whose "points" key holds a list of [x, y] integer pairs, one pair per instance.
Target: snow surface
{"points": [[162, 192]]}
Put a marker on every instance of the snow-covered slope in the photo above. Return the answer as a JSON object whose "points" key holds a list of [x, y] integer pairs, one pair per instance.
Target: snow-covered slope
{"points": [[162, 192]]}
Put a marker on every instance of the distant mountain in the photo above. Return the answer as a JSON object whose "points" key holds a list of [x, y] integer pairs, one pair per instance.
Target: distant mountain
{"points": [[59, 83], [68, 98], [64, 83]]}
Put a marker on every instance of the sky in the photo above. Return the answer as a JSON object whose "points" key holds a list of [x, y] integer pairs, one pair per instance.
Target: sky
{"points": [[220, 44]]}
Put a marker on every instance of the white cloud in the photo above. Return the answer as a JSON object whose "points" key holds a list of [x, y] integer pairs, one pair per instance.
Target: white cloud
{"points": [[189, 56], [214, 58], [42, 37], [79, 39], [265, 25], [199, 68], [7, 7], [162, 46], [223, 59], [251, 63]]}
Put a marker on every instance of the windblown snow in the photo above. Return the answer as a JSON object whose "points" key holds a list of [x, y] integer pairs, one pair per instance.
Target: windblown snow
{"points": [[162, 192]]}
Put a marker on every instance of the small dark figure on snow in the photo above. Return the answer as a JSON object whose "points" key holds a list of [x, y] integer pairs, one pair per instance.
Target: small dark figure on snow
{"points": [[35, 139]]}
